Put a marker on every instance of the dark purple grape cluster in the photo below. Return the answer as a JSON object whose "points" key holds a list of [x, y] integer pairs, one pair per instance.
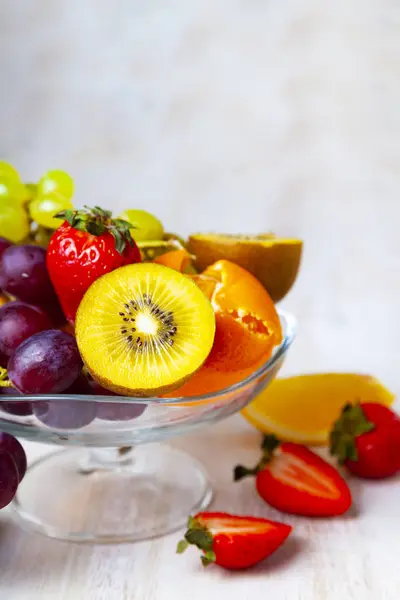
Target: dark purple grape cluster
{"points": [[12, 467], [40, 357]]}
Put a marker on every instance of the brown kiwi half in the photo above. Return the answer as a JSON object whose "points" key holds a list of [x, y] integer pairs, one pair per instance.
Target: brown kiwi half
{"points": [[144, 329], [274, 261]]}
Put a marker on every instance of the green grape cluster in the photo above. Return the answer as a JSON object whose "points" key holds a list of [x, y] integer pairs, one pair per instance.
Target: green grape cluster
{"points": [[27, 209]]}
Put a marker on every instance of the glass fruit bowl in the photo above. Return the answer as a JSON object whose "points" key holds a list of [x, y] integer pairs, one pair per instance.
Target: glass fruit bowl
{"points": [[107, 486]]}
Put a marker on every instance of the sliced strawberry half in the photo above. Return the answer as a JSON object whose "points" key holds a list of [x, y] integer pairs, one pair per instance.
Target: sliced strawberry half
{"points": [[233, 542], [295, 480]]}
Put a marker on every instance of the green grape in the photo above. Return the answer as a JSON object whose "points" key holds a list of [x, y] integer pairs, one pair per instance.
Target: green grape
{"points": [[42, 210], [7, 171], [146, 225], [14, 225], [31, 191], [13, 190], [56, 183]]}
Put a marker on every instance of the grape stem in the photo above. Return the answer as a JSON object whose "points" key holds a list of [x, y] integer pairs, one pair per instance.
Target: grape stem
{"points": [[4, 382]]}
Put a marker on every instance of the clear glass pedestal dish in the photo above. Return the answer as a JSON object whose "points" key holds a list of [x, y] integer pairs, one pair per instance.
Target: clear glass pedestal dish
{"points": [[115, 480]]}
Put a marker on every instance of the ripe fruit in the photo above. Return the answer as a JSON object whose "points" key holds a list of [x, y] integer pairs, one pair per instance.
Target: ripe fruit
{"points": [[366, 439], [10, 444], [247, 328], [115, 411], [65, 414], [7, 171], [57, 184], [121, 411], [152, 249], [43, 209], [88, 244], [23, 274], [233, 542], [20, 409], [144, 329], [46, 363], [179, 260], [14, 224], [295, 480], [9, 478], [18, 321], [4, 244], [303, 408], [13, 191], [145, 225], [273, 261]]}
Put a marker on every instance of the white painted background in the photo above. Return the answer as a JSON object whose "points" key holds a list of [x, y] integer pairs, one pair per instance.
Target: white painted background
{"points": [[231, 115]]}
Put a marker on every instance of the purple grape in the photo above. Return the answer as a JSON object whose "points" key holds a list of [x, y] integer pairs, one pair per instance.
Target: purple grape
{"points": [[46, 363], [119, 411], [54, 311], [68, 414], [10, 444], [80, 386], [116, 411], [97, 390], [23, 274], [20, 409], [4, 360], [65, 414], [9, 478], [18, 322], [4, 244]]}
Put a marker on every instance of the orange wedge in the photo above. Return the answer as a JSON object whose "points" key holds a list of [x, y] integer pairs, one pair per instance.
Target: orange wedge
{"points": [[303, 409], [178, 260]]}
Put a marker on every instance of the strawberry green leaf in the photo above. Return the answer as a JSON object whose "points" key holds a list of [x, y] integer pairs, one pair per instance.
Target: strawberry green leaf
{"points": [[351, 424], [80, 225], [97, 221], [208, 558], [95, 228], [120, 241], [202, 538], [65, 214], [122, 224], [182, 546]]}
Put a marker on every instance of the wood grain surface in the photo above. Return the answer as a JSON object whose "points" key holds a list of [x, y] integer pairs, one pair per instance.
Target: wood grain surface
{"points": [[237, 116]]}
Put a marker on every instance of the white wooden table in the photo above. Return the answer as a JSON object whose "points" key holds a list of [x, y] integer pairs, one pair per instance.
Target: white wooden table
{"points": [[354, 557]]}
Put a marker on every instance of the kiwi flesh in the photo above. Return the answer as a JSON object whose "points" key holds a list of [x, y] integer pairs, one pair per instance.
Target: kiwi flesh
{"points": [[274, 261], [144, 329]]}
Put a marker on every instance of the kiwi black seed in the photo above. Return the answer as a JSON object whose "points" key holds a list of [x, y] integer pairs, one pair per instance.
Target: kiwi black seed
{"points": [[166, 331]]}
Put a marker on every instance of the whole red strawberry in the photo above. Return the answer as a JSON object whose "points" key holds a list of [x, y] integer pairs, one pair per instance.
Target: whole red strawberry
{"points": [[366, 439], [88, 244], [295, 480], [233, 542]]}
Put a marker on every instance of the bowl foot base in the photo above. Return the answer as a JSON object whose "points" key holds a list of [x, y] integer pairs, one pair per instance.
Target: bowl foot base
{"points": [[111, 496]]}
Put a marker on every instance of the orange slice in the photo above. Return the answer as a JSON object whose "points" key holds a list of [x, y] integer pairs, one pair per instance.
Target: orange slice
{"points": [[303, 409]]}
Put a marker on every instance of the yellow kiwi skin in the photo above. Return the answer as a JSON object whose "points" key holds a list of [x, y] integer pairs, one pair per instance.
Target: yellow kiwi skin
{"points": [[90, 351], [139, 393], [274, 261]]}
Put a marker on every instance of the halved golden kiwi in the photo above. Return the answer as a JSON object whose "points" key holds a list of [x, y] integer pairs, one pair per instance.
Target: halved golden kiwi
{"points": [[274, 261], [144, 329]]}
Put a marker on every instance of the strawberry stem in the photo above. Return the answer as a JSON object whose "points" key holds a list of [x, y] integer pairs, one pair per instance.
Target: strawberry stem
{"points": [[269, 444], [98, 221], [198, 535], [351, 424]]}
